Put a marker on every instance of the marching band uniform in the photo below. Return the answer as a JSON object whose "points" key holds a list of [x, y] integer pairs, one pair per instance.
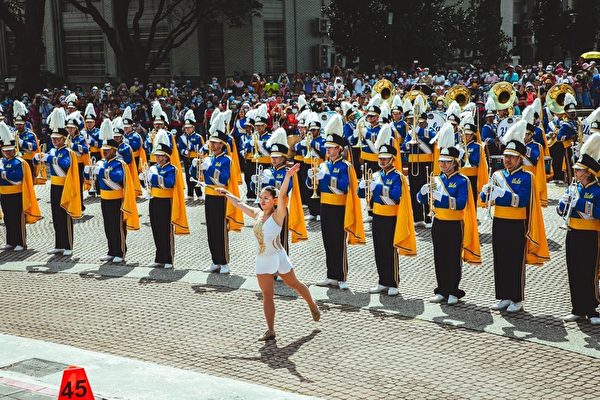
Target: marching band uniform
{"points": [[312, 150], [454, 231], [65, 189], [255, 149], [168, 215], [399, 128], [351, 134], [533, 160], [518, 233], [79, 146], [582, 202], [92, 135], [221, 217], [125, 154], [25, 139], [368, 153], [561, 151], [17, 196], [489, 131], [420, 157], [133, 139], [117, 196], [189, 145], [160, 121], [341, 218], [392, 212], [477, 172]]}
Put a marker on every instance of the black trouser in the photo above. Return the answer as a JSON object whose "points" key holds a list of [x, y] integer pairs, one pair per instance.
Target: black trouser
{"points": [[557, 152], [305, 191], [508, 245], [32, 168], [582, 267], [386, 256], [447, 238], [137, 162], [80, 167], [493, 149], [191, 187], [114, 227], [334, 240], [420, 211], [473, 180], [314, 204], [373, 166], [283, 236], [249, 170], [14, 219], [162, 229], [61, 221], [356, 161], [216, 228]]}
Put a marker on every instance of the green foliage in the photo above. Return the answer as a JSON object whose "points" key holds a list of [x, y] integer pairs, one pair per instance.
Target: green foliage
{"points": [[487, 40]]}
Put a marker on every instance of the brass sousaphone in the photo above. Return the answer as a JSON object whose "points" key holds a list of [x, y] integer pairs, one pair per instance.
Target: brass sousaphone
{"points": [[555, 98], [385, 89], [503, 94], [458, 93]]}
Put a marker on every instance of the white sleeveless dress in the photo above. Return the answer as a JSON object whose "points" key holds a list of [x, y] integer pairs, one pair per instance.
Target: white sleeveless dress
{"points": [[271, 257]]}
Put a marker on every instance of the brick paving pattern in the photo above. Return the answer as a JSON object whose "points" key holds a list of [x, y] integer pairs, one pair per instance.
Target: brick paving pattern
{"points": [[351, 353]]}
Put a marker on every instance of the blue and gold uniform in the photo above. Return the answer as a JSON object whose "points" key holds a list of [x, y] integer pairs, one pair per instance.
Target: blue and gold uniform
{"points": [[94, 142], [583, 237], [255, 153], [190, 146], [315, 156], [368, 152], [134, 140], [28, 145]]}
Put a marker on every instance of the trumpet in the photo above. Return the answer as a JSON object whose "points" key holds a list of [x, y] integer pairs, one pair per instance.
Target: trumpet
{"points": [[466, 162], [259, 173], [145, 169], [256, 154], [569, 210], [92, 176], [315, 183], [430, 183], [40, 168], [488, 215], [359, 126], [199, 174], [367, 174]]}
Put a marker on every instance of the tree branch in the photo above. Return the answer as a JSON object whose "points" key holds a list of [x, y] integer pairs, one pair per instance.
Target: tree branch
{"points": [[136, 20], [9, 18]]}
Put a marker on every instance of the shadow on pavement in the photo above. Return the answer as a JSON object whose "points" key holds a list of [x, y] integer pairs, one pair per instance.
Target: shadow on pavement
{"points": [[593, 333], [220, 283], [408, 308], [279, 357], [52, 267], [469, 315], [346, 300], [160, 275], [107, 271], [543, 327]]}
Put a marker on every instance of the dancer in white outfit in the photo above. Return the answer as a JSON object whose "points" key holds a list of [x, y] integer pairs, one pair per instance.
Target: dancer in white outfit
{"points": [[272, 258]]}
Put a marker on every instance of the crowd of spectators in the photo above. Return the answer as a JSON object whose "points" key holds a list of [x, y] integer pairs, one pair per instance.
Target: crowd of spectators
{"points": [[281, 91]]}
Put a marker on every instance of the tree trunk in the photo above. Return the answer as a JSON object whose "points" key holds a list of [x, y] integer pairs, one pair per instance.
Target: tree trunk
{"points": [[29, 53]]}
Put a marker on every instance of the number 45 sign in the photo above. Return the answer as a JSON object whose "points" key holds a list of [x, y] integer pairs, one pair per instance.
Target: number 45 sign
{"points": [[75, 385]]}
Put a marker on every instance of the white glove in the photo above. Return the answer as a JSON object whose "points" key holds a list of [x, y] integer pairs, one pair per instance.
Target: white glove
{"points": [[362, 184], [564, 198], [185, 152], [252, 141], [195, 162], [205, 164], [424, 190], [40, 156], [303, 142], [86, 169], [355, 134], [320, 173], [497, 192], [153, 170], [574, 201], [254, 179], [437, 195], [21, 142], [52, 152], [99, 163], [142, 176], [374, 184], [265, 179]]}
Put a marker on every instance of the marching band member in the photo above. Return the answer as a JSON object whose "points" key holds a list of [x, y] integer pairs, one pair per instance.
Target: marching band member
{"points": [[78, 144], [518, 233], [91, 133], [255, 148], [221, 216], [561, 151], [313, 149], [117, 195], [65, 193], [398, 125], [533, 160], [159, 121], [538, 134], [368, 154], [476, 169], [125, 153], [271, 259], [341, 218], [420, 157], [239, 132], [189, 146], [168, 215], [274, 177], [299, 151], [231, 148], [17, 196], [133, 139], [392, 212], [489, 134], [454, 231], [26, 141], [351, 133], [580, 206], [248, 157]]}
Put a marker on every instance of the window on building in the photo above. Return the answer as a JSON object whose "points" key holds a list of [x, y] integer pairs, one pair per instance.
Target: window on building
{"points": [[84, 53], [274, 47]]}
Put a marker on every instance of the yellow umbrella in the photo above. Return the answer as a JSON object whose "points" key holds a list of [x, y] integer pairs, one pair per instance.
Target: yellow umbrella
{"points": [[591, 55]]}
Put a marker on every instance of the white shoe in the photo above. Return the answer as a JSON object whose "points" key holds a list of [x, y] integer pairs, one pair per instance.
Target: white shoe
{"points": [[419, 223], [309, 217], [595, 320], [571, 317], [155, 265], [393, 291], [368, 219], [304, 206], [514, 307], [68, 253], [318, 218], [438, 298], [168, 266], [378, 289], [428, 225], [117, 260], [452, 300], [212, 268], [327, 282], [6, 247], [501, 305], [224, 269], [189, 197], [343, 285], [19, 248], [106, 258], [55, 251]]}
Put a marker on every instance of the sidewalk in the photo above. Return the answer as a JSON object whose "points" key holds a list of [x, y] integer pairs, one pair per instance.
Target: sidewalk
{"points": [[113, 377]]}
